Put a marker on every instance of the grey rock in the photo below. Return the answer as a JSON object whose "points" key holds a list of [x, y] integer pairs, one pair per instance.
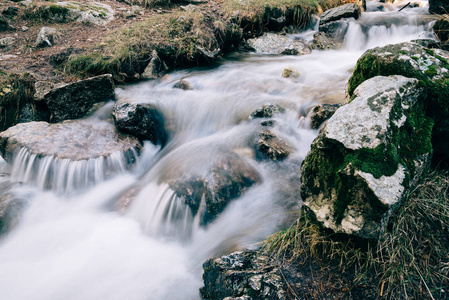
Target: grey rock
{"points": [[46, 37], [371, 151], [11, 207], [330, 35], [73, 140], [7, 41], [430, 66], [142, 120], [279, 44], [190, 8], [71, 101], [183, 85], [322, 112], [25, 28], [241, 274], [349, 10], [155, 69], [5, 25], [267, 111], [270, 146]]}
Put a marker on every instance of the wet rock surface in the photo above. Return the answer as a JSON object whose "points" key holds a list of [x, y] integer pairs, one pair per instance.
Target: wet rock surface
{"points": [[279, 44], [242, 275], [226, 180], [141, 120], [370, 152], [267, 111], [270, 146], [73, 140], [72, 101]]}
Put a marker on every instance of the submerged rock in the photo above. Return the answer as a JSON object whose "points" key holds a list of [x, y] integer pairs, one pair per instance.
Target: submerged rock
{"points": [[242, 275], [371, 151], [225, 181], [430, 66], [279, 44], [73, 140], [267, 111], [290, 72], [142, 120], [73, 100], [330, 35]]}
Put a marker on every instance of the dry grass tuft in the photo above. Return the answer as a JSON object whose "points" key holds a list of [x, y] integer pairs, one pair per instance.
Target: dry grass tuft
{"points": [[411, 260]]}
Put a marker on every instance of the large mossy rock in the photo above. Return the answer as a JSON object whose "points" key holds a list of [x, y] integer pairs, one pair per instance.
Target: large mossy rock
{"points": [[439, 6], [429, 66], [142, 120], [226, 180], [370, 152], [73, 100], [242, 275]]}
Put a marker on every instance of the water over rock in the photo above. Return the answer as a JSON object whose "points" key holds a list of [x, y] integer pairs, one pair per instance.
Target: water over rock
{"points": [[227, 180], [73, 140], [430, 66], [279, 44], [371, 151], [73, 100], [330, 35], [142, 120], [242, 275]]}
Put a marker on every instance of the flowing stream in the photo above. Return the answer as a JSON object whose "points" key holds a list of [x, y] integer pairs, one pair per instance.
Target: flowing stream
{"points": [[73, 242]]}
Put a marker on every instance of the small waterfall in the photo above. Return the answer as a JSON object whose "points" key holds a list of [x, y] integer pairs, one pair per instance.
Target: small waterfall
{"points": [[65, 176]]}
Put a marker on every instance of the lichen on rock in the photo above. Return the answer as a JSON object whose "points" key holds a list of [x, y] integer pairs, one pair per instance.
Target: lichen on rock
{"points": [[370, 152]]}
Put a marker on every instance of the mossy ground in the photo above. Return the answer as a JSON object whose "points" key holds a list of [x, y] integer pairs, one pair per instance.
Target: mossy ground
{"points": [[411, 260]]}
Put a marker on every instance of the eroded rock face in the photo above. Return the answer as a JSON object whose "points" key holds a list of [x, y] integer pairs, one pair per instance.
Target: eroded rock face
{"points": [[46, 37], [278, 44], [142, 120], [73, 100], [439, 6], [242, 275], [226, 181], [349, 10], [430, 66], [73, 140], [370, 152]]}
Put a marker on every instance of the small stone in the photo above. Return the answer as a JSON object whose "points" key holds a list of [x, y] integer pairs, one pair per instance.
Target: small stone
{"points": [[183, 85], [290, 72], [6, 42], [25, 28]]}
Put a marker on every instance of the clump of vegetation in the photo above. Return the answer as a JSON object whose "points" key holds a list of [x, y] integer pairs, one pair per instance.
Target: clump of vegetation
{"points": [[44, 12], [257, 15], [410, 260], [179, 38], [16, 91]]}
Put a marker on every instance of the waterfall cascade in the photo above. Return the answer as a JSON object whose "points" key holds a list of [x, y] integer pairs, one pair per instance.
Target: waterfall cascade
{"points": [[71, 244]]}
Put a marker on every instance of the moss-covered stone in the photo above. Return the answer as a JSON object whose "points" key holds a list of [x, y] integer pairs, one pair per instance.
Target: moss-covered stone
{"points": [[430, 66], [371, 151]]}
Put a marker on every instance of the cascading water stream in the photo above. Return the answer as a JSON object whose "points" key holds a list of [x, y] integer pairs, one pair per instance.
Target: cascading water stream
{"points": [[71, 242]]}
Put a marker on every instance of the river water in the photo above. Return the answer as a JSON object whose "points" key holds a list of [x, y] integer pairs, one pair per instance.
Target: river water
{"points": [[76, 244]]}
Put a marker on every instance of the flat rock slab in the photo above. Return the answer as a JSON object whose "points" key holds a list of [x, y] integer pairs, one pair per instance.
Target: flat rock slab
{"points": [[74, 140], [349, 10], [279, 44]]}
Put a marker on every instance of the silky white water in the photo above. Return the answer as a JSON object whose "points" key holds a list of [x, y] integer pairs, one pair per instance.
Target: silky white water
{"points": [[77, 244]]}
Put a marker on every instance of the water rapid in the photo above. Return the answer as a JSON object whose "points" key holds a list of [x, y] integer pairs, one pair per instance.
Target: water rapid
{"points": [[76, 238]]}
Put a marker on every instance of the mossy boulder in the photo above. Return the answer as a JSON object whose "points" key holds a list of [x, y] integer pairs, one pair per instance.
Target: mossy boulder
{"points": [[370, 153], [429, 66]]}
